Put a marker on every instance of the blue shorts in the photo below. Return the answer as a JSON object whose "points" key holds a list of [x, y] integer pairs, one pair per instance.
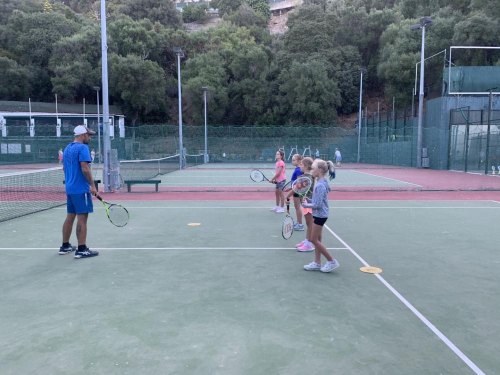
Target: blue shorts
{"points": [[79, 203], [281, 184]]}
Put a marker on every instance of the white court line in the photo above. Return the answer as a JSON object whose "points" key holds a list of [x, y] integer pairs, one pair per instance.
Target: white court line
{"points": [[417, 313], [388, 178], [164, 248]]}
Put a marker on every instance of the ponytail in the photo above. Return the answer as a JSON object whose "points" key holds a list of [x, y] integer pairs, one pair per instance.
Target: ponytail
{"points": [[331, 169]]}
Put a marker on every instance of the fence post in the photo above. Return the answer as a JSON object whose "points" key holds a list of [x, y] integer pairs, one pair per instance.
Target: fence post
{"points": [[466, 143], [486, 162]]}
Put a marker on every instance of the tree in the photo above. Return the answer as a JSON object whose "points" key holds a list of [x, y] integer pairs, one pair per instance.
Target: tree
{"points": [[260, 7], [245, 16], [307, 95], [15, 80], [226, 6], [162, 11], [137, 85], [194, 12], [205, 70], [75, 63], [127, 36], [31, 37], [7, 7]]}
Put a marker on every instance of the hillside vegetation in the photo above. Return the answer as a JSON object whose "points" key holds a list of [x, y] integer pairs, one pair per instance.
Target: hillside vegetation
{"points": [[308, 75]]}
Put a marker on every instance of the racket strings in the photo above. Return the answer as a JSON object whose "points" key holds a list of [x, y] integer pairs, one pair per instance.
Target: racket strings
{"points": [[302, 185], [257, 176], [118, 215]]}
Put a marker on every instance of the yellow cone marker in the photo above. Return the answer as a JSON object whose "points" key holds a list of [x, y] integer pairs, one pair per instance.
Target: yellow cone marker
{"points": [[371, 269]]}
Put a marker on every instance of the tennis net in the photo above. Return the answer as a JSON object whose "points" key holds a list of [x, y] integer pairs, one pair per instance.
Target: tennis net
{"points": [[24, 193], [148, 168]]}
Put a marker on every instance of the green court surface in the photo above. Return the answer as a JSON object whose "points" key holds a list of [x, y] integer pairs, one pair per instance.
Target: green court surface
{"points": [[229, 296], [238, 177]]}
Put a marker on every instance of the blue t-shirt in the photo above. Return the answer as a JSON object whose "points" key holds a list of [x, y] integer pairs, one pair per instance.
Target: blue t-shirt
{"points": [[74, 153], [296, 173]]}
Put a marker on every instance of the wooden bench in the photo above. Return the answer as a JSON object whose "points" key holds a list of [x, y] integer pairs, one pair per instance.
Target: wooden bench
{"points": [[137, 182]]}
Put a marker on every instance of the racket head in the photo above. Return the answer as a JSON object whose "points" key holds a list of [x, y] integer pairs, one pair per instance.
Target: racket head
{"points": [[257, 176], [117, 214], [287, 227], [302, 185], [288, 186]]}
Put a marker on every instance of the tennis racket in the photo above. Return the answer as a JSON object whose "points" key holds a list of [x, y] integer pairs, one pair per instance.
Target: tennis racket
{"points": [[258, 176], [287, 226], [288, 186], [302, 185], [117, 214]]}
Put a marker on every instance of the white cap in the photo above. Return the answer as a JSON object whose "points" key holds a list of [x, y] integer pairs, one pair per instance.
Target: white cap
{"points": [[80, 129]]}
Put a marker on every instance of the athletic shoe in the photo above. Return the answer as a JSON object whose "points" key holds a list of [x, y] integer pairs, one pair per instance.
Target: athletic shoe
{"points": [[279, 210], [306, 247], [313, 266], [85, 253], [330, 266], [300, 243], [274, 208], [66, 249], [298, 227]]}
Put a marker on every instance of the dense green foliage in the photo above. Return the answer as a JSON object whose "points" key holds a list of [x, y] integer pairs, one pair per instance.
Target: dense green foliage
{"points": [[308, 75]]}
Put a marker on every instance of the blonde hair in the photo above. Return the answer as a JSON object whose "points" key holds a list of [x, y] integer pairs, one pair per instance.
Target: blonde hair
{"points": [[298, 157], [326, 167], [307, 163]]}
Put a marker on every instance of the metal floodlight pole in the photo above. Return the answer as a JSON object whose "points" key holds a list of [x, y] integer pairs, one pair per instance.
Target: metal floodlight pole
{"points": [[97, 89], [105, 101], [180, 54], [360, 113], [205, 89], [424, 22], [488, 133]]}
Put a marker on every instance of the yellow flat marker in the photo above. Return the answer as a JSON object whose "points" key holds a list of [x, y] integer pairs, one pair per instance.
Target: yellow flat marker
{"points": [[371, 269], [194, 224]]}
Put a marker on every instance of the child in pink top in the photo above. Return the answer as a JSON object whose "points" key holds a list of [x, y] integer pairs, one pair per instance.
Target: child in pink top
{"points": [[280, 180]]}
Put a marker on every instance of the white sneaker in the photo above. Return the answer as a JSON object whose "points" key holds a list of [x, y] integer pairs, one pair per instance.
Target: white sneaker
{"points": [[279, 210], [313, 266], [274, 208], [298, 227], [330, 266]]}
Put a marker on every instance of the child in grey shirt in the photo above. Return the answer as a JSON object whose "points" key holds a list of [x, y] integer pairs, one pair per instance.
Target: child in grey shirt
{"points": [[320, 210]]}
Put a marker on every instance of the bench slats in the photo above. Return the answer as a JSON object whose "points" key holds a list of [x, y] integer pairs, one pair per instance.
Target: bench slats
{"points": [[134, 182]]}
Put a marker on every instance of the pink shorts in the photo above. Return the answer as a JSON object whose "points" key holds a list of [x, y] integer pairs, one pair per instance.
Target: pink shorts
{"points": [[306, 211]]}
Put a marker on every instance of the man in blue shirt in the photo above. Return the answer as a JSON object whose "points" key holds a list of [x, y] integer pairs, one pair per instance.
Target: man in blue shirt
{"points": [[79, 187]]}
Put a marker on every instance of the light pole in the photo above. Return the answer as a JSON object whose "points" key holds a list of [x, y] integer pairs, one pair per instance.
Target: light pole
{"points": [[179, 53], [416, 75], [424, 22], [205, 89], [105, 101], [360, 113], [97, 89]]}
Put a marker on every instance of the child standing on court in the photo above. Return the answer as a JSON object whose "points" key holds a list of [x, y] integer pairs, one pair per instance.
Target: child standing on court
{"points": [[279, 179], [320, 210], [296, 160], [306, 245]]}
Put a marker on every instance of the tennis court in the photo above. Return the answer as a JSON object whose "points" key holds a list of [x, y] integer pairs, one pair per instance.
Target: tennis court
{"points": [[201, 282]]}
